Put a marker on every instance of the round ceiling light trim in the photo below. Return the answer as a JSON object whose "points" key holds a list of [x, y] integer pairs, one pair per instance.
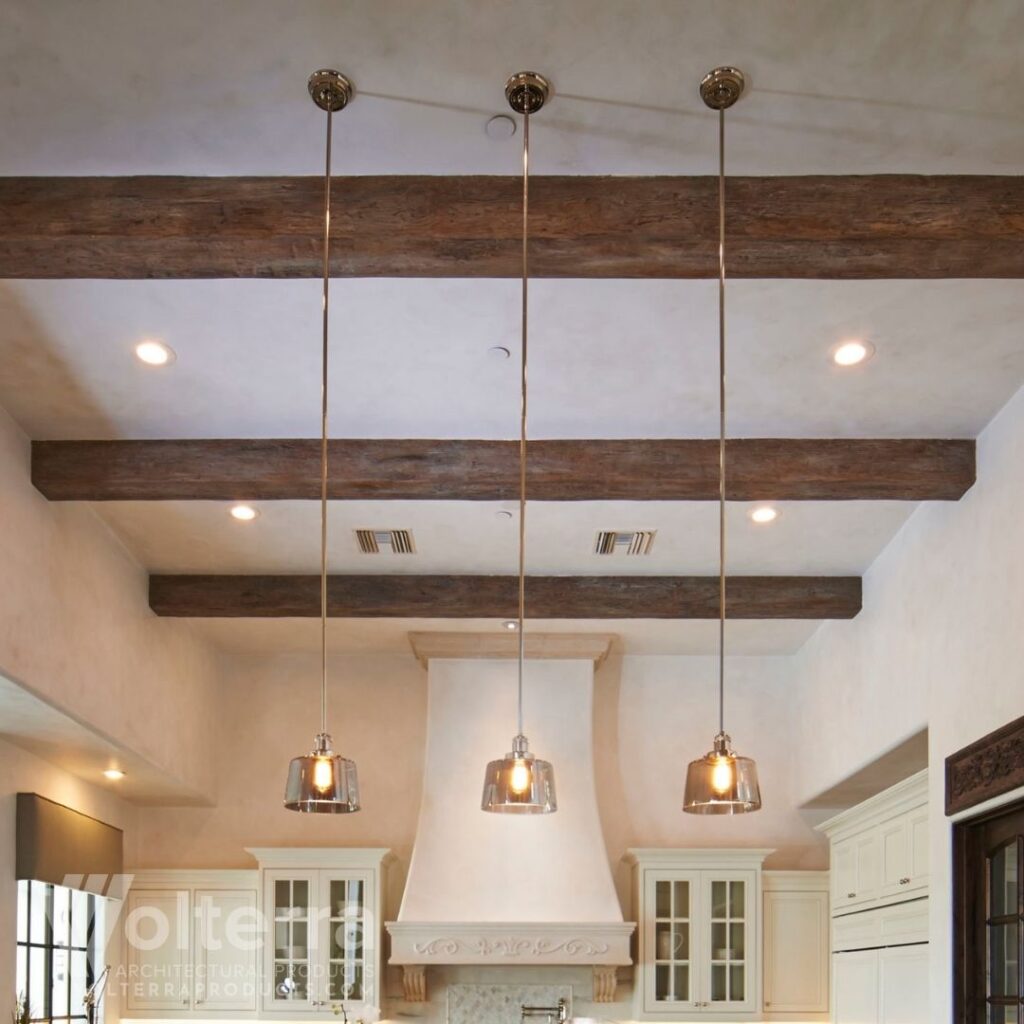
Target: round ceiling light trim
{"points": [[114, 774], [762, 514], [527, 92], [155, 353], [243, 513], [852, 353], [722, 87]]}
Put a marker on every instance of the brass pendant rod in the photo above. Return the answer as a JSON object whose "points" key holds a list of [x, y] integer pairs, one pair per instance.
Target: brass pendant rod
{"points": [[323, 430], [522, 412], [721, 420]]}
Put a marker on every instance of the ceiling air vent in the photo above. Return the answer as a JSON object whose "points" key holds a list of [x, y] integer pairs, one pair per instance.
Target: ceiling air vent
{"points": [[628, 542], [373, 542]]}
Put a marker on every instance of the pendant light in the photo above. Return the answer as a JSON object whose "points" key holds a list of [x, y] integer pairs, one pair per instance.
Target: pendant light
{"points": [[721, 782], [520, 783], [323, 782]]}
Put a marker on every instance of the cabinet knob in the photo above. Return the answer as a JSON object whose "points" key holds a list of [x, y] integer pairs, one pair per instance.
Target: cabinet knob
{"points": [[850, 895], [904, 881]]}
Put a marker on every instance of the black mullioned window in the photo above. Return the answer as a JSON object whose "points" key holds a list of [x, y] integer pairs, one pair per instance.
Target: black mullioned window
{"points": [[57, 950]]}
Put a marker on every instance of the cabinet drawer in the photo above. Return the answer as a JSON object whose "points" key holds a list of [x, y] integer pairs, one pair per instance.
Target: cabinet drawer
{"points": [[888, 926]]}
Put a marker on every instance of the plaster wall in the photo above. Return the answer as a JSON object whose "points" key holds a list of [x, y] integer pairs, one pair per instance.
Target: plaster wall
{"points": [[939, 644], [76, 629]]}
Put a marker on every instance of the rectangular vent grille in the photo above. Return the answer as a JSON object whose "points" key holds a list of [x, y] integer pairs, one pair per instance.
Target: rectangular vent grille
{"points": [[373, 542], [629, 542]]}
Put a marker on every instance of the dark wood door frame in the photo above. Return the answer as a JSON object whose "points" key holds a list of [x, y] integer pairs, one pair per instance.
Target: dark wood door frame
{"points": [[984, 770]]}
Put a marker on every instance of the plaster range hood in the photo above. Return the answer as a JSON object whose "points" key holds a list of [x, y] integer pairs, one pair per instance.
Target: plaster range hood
{"points": [[509, 890]]}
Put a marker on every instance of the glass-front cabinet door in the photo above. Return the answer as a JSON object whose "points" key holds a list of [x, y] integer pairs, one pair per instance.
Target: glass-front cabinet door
{"points": [[347, 938], [728, 939], [322, 949], [699, 939], [291, 899], [671, 899]]}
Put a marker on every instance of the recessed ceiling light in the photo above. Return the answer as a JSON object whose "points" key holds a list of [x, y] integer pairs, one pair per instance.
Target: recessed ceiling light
{"points": [[511, 625], [503, 513], [243, 513], [500, 127], [499, 352], [851, 353], [154, 353], [764, 514], [113, 774]]}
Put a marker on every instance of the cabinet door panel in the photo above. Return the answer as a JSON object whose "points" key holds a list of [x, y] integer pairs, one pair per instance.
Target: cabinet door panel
{"points": [[225, 949], [869, 866], [917, 830], [796, 958], [669, 940], [903, 985], [844, 873], [894, 853], [728, 975], [157, 954], [290, 977], [347, 940], [855, 987]]}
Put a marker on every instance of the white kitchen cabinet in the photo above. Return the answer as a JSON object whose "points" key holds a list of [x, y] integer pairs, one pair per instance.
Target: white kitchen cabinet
{"points": [[903, 985], [796, 944], [190, 943], [856, 872], [157, 950], [903, 845], [225, 939], [880, 909], [855, 987], [882, 986], [323, 910], [699, 934]]}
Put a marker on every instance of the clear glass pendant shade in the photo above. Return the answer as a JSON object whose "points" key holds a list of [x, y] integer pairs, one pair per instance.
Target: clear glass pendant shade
{"points": [[519, 783], [722, 783], [322, 782]]}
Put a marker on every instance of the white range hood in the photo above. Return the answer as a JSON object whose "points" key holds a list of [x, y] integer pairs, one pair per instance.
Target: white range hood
{"points": [[509, 889]]}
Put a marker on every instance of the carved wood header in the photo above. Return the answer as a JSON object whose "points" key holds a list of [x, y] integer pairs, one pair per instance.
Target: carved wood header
{"points": [[985, 769]]}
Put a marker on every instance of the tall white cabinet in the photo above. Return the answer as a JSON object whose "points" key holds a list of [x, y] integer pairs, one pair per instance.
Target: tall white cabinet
{"points": [[880, 879]]}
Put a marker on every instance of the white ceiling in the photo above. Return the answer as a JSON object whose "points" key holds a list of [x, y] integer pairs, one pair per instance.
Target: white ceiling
{"points": [[410, 358], [141, 86], [837, 86]]}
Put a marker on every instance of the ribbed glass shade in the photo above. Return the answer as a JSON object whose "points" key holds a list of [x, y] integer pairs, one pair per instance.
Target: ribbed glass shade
{"points": [[519, 783], [322, 782], [722, 783]]}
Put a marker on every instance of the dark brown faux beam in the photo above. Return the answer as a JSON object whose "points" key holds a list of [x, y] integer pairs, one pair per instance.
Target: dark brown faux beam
{"points": [[849, 226], [630, 470], [475, 597]]}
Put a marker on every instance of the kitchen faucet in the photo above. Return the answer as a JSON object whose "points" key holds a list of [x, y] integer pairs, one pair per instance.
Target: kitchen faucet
{"points": [[555, 1014]]}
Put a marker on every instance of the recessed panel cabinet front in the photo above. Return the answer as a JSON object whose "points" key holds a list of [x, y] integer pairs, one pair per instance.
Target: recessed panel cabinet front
{"points": [[158, 949], [227, 936]]}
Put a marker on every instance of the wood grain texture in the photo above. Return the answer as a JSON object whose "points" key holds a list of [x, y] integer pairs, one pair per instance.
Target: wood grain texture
{"points": [[817, 226], [985, 769], [559, 470], [483, 597]]}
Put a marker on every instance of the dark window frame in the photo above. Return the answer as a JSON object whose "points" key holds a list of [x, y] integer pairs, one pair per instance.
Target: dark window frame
{"points": [[50, 948]]}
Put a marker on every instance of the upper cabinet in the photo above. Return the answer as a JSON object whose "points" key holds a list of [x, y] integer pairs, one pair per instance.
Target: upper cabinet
{"points": [[190, 943], [699, 933], [322, 907]]}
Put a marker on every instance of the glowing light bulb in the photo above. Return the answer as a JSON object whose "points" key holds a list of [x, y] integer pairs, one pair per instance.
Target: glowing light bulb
{"points": [[522, 778], [323, 774], [722, 775]]}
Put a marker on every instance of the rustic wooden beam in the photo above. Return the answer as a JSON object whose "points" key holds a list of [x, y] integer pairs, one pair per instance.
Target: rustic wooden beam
{"points": [[815, 226], [563, 470], [485, 597]]}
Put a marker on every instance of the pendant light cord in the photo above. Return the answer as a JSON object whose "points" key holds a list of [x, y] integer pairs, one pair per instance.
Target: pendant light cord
{"points": [[522, 415], [323, 433], [721, 421]]}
